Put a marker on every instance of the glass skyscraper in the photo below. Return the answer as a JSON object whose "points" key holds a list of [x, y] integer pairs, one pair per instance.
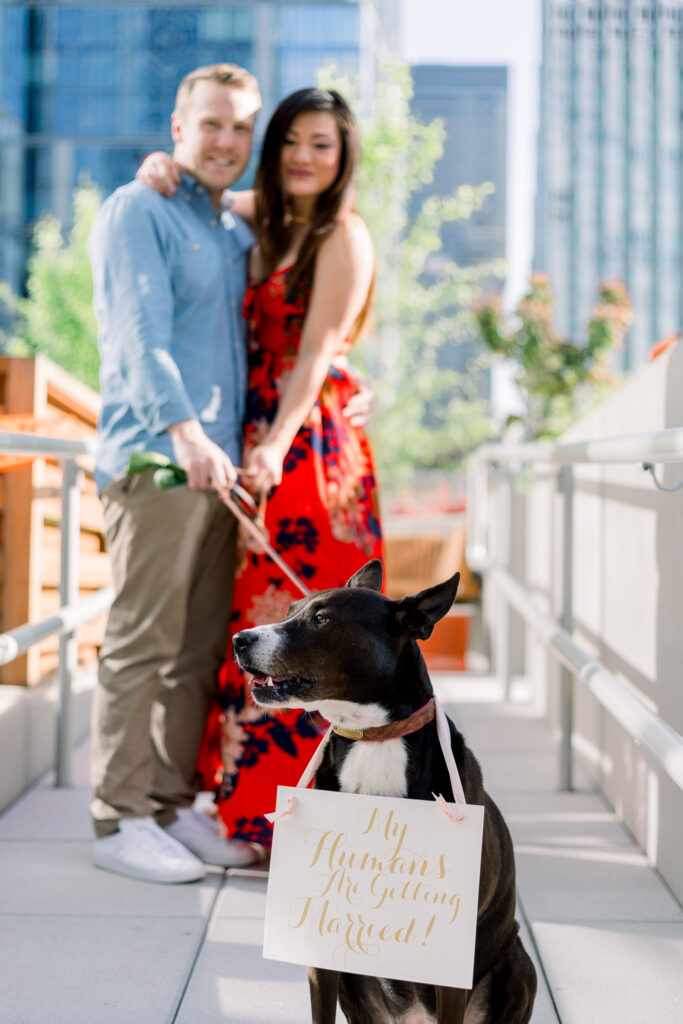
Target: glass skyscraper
{"points": [[89, 87], [610, 167], [471, 100]]}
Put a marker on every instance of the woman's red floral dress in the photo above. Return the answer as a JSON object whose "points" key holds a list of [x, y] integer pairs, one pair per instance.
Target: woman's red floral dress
{"points": [[323, 520]]}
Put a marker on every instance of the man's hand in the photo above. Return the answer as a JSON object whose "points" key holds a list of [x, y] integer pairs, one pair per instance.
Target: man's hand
{"points": [[205, 463], [359, 408], [159, 172]]}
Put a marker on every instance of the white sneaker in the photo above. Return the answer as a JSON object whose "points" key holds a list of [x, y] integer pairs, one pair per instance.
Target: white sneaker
{"points": [[198, 833], [140, 849]]}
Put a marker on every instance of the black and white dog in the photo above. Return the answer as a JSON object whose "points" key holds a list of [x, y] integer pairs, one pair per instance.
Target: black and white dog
{"points": [[350, 653]]}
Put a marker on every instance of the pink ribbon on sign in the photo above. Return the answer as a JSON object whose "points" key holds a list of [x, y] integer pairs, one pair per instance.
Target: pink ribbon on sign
{"points": [[444, 734], [276, 815]]}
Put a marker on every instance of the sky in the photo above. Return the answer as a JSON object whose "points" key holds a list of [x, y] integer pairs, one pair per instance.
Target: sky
{"points": [[492, 32]]}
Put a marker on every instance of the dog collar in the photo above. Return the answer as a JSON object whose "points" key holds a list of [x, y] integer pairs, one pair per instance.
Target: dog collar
{"points": [[393, 730]]}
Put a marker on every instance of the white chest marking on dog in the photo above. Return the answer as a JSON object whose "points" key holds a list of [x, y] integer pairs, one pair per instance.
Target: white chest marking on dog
{"points": [[378, 769], [349, 715]]}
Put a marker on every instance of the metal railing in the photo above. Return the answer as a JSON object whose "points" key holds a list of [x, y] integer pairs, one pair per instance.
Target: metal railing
{"points": [[72, 612], [662, 742]]}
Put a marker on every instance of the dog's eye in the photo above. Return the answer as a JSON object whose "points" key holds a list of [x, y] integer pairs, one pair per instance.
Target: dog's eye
{"points": [[320, 618]]}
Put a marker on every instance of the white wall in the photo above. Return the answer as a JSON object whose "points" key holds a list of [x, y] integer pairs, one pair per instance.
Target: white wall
{"points": [[628, 602]]}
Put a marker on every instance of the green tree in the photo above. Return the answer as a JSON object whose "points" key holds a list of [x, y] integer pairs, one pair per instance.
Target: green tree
{"points": [[427, 414], [558, 378], [56, 316]]}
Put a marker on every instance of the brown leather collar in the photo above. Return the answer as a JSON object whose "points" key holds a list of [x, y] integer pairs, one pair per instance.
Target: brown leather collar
{"points": [[393, 730]]}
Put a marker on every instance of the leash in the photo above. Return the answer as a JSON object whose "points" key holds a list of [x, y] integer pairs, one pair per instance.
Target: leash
{"points": [[168, 474]]}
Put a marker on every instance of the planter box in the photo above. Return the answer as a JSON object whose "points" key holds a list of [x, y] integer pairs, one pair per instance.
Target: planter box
{"points": [[446, 650]]}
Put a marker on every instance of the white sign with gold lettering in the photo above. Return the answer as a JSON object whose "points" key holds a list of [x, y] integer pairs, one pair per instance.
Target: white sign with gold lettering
{"points": [[374, 885]]}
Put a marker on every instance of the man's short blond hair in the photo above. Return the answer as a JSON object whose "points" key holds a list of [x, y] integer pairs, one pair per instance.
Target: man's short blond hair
{"points": [[225, 74]]}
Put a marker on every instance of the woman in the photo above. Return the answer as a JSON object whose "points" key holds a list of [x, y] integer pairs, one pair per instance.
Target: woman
{"points": [[311, 276]]}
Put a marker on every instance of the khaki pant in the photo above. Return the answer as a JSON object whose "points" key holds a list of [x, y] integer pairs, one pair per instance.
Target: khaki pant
{"points": [[173, 563]]}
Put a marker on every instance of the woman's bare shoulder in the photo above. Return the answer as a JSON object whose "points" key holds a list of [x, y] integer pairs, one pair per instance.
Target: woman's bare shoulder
{"points": [[349, 237]]}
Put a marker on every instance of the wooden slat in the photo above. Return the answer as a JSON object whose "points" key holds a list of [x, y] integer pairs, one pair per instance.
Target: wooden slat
{"points": [[94, 569], [89, 634], [415, 562], [52, 539], [30, 511], [22, 528], [72, 395], [51, 506]]}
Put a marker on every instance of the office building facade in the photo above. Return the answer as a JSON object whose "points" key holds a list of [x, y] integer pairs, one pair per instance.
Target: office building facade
{"points": [[88, 87], [610, 162], [471, 100]]}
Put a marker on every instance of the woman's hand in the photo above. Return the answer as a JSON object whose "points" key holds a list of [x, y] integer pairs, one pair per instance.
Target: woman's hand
{"points": [[159, 172], [263, 467]]}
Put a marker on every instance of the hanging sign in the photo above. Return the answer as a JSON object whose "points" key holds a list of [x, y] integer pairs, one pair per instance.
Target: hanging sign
{"points": [[374, 885]]}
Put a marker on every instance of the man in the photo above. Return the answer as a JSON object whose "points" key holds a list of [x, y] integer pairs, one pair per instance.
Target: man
{"points": [[169, 279]]}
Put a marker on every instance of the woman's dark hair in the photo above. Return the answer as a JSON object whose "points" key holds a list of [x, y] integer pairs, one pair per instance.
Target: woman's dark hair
{"points": [[272, 221]]}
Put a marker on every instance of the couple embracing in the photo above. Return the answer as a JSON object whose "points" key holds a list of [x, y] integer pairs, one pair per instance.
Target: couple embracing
{"points": [[224, 321]]}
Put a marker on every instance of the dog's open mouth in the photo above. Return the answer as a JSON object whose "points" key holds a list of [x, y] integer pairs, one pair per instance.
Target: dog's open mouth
{"points": [[268, 689]]}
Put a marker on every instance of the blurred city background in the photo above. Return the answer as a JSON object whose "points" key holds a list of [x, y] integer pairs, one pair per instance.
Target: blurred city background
{"points": [[522, 179], [539, 143]]}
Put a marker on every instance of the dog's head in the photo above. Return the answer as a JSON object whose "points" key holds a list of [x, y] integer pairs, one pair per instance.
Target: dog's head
{"points": [[343, 646]]}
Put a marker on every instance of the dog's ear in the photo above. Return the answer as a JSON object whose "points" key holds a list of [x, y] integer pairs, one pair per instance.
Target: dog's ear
{"points": [[369, 576], [417, 614]]}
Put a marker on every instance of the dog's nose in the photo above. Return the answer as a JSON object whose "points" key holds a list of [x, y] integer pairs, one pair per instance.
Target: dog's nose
{"points": [[240, 642]]}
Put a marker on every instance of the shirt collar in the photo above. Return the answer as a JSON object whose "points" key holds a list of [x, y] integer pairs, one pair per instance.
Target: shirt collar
{"points": [[190, 186]]}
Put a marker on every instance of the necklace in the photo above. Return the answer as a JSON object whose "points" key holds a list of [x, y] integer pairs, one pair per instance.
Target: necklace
{"points": [[299, 220]]}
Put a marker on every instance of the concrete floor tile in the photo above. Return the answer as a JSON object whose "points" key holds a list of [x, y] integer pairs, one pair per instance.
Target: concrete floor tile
{"points": [[49, 815], [59, 878], [242, 896], [80, 970], [573, 819], [588, 883], [630, 973], [513, 744], [232, 982], [544, 1011]]}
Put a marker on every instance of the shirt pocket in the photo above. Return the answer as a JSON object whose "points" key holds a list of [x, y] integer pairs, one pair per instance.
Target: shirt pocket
{"points": [[196, 270]]}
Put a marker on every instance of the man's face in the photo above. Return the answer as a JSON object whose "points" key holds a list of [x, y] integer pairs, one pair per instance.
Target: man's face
{"points": [[213, 131]]}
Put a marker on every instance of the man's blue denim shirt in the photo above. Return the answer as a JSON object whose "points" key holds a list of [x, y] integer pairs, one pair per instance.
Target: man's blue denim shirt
{"points": [[169, 282]]}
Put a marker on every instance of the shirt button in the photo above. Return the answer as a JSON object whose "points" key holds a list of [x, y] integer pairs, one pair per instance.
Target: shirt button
{"points": [[195, 246], [229, 262], [233, 303], [213, 222], [198, 189]]}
